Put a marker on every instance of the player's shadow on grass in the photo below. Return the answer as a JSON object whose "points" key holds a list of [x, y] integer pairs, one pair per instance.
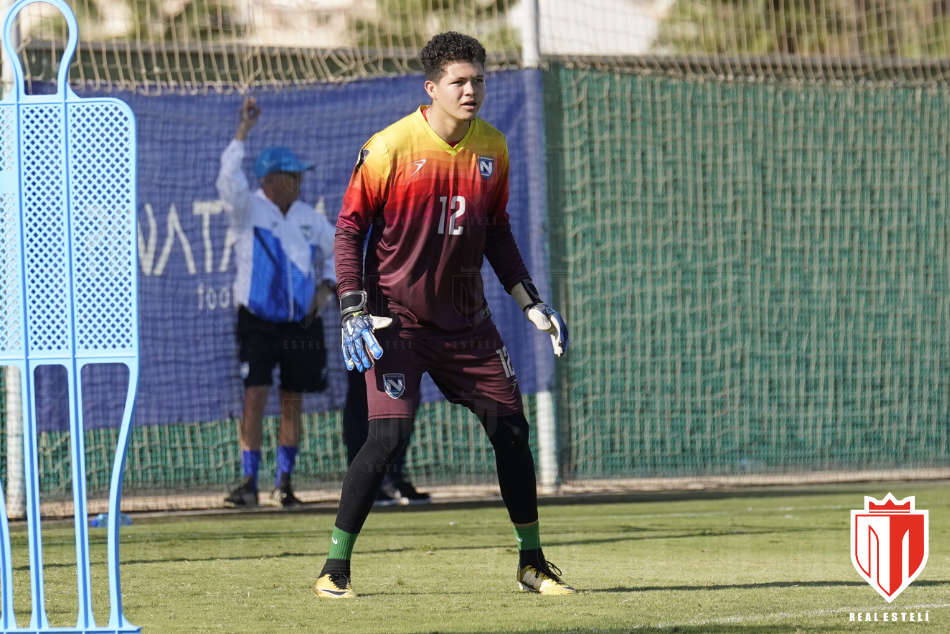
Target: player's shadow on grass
{"points": [[756, 586], [665, 534], [317, 534], [253, 557]]}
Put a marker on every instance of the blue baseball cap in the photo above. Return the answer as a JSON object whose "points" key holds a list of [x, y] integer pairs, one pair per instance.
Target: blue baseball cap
{"points": [[279, 159]]}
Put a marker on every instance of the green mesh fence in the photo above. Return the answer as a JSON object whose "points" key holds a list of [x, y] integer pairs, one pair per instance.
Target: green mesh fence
{"points": [[448, 447], [757, 276]]}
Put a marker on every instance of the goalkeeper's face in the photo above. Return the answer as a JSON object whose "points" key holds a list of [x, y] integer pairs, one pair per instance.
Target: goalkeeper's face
{"points": [[460, 92]]}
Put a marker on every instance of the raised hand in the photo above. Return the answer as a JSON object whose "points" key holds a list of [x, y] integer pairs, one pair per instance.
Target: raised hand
{"points": [[250, 112]]}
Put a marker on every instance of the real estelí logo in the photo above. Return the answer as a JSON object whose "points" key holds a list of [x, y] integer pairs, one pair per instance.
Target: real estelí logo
{"points": [[889, 548]]}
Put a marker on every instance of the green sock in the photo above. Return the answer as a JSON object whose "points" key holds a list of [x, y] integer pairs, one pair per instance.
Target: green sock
{"points": [[342, 547], [529, 537]]}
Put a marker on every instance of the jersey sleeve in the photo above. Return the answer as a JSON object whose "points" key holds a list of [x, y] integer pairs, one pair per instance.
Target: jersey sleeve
{"points": [[501, 250], [364, 199]]}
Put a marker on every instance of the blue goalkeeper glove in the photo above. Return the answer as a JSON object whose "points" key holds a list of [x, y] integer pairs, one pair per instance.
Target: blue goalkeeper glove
{"points": [[360, 347], [542, 316]]}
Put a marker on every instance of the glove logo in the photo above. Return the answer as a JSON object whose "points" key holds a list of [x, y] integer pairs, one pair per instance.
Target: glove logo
{"points": [[486, 166], [395, 384]]}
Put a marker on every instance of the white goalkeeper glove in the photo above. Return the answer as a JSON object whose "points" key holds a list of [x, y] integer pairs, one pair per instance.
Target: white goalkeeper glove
{"points": [[360, 347], [542, 316]]}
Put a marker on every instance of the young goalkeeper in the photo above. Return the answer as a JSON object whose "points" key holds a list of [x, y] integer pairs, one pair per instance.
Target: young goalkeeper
{"points": [[431, 190]]}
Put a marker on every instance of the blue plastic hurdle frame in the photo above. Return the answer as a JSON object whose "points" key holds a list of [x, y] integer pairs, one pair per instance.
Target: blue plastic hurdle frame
{"points": [[68, 292]]}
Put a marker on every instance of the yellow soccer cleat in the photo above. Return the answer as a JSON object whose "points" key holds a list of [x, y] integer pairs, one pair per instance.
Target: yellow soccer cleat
{"points": [[334, 586], [543, 580]]}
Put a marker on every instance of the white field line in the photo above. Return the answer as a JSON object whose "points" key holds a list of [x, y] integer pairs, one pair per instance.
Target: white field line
{"points": [[795, 615]]}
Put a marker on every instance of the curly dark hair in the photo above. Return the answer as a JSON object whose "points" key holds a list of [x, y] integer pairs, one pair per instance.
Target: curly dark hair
{"points": [[446, 48]]}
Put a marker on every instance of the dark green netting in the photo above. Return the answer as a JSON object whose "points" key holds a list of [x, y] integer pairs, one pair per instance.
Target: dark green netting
{"points": [[757, 275]]}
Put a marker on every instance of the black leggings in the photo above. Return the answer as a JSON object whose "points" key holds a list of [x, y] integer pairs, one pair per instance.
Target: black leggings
{"points": [[388, 438]]}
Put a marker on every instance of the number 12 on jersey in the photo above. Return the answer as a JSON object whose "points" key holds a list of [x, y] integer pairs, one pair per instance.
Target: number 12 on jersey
{"points": [[457, 206]]}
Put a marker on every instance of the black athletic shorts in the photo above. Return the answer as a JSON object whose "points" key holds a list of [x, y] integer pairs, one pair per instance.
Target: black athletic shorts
{"points": [[297, 346]]}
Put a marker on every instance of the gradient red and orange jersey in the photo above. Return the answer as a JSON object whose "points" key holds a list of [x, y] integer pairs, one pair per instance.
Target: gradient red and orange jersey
{"points": [[434, 212]]}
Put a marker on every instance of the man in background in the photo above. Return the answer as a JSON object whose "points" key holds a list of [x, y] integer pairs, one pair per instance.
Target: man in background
{"points": [[285, 274]]}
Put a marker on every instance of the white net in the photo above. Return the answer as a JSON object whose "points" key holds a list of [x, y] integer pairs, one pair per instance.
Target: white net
{"points": [[156, 45]]}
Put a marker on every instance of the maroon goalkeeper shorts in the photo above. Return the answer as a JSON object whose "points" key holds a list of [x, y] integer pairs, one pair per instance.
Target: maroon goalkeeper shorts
{"points": [[472, 369]]}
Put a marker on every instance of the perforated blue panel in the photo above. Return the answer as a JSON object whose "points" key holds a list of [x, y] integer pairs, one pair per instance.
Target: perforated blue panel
{"points": [[102, 214], [8, 150], [46, 235], [11, 339]]}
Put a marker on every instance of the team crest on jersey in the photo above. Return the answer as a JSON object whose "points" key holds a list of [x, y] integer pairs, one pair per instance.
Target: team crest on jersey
{"points": [[363, 154], [395, 384], [486, 166], [306, 231]]}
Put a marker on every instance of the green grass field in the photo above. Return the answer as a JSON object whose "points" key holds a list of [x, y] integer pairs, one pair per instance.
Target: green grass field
{"points": [[770, 560]]}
